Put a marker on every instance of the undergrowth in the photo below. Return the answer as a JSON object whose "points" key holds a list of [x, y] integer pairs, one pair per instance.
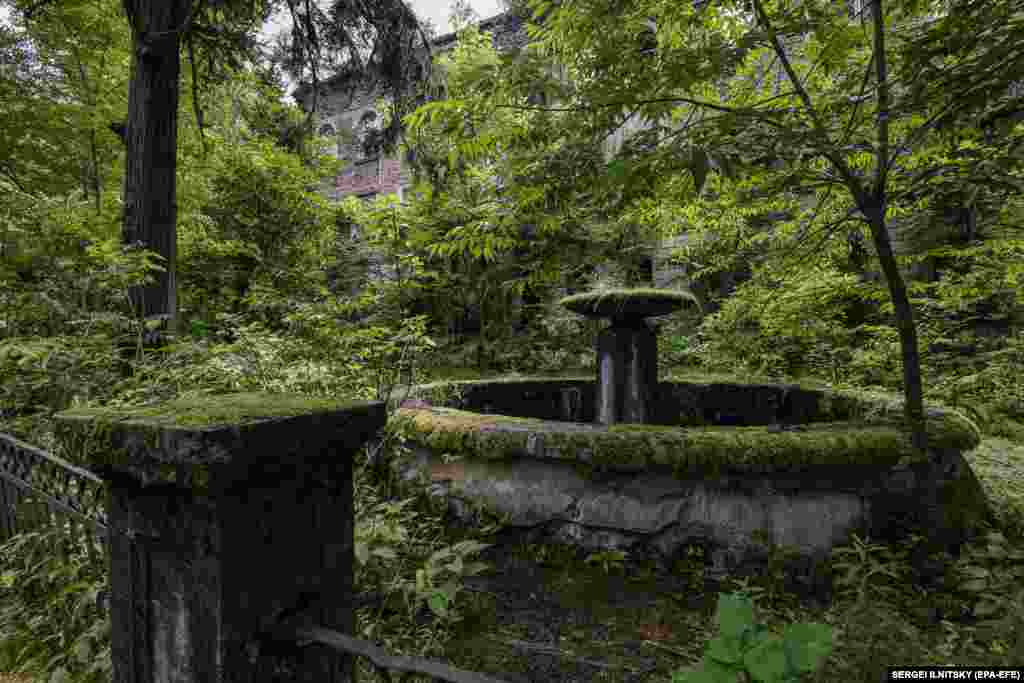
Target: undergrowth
{"points": [[891, 606]]}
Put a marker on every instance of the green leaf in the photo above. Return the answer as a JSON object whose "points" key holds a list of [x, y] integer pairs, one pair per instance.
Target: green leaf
{"points": [[439, 604], [710, 671], [386, 553], [808, 645], [362, 552], [735, 615], [82, 650], [975, 572], [766, 661], [725, 650], [987, 608], [60, 675], [618, 170]]}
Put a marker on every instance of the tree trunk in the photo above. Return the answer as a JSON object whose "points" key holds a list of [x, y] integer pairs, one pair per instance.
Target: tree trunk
{"points": [[912, 386], [876, 209], [150, 208]]}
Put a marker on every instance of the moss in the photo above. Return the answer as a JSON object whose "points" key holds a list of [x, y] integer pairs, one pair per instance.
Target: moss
{"points": [[862, 427], [496, 437], [624, 294], [643, 301], [86, 433], [210, 411]]}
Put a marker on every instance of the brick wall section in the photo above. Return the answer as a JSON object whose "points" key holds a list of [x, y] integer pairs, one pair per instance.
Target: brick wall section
{"points": [[389, 181], [342, 111]]}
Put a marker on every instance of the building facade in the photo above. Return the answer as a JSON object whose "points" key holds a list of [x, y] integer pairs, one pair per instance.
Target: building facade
{"points": [[350, 117]]}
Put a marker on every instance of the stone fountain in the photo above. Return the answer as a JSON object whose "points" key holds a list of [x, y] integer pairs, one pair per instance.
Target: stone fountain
{"points": [[736, 467]]}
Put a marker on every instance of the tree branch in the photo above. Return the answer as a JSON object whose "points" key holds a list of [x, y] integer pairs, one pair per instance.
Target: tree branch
{"points": [[197, 106], [882, 88], [746, 112], [856, 106], [826, 145]]}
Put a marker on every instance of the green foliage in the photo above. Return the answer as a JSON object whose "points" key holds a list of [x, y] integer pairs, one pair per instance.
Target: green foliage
{"points": [[870, 638], [64, 311], [66, 83], [989, 575], [774, 588], [868, 570], [317, 355], [51, 625], [257, 220], [64, 267], [383, 535], [50, 373], [754, 115], [744, 650], [437, 582]]}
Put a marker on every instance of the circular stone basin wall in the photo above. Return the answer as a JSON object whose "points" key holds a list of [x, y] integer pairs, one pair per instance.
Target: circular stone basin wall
{"points": [[735, 468]]}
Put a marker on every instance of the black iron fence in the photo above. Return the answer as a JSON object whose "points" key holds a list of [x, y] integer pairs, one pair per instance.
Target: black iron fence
{"points": [[40, 491]]}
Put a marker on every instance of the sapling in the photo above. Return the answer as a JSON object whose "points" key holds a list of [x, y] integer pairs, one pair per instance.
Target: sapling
{"points": [[745, 651]]}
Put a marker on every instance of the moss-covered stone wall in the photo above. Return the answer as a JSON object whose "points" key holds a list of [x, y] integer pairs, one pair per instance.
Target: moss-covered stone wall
{"points": [[823, 427]]}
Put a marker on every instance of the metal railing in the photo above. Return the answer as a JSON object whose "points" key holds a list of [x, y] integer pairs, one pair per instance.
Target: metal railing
{"points": [[39, 490]]}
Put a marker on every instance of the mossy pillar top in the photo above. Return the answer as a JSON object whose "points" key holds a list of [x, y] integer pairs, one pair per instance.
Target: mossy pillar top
{"points": [[229, 515], [627, 351]]}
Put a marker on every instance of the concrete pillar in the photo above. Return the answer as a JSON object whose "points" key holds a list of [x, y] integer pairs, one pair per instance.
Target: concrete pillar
{"points": [[228, 515], [627, 372]]}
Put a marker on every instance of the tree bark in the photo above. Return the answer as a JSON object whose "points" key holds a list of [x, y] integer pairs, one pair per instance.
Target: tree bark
{"points": [[913, 393], [150, 209]]}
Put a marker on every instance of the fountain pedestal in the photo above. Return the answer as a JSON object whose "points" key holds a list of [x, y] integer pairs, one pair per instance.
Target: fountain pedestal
{"points": [[627, 351], [627, 372]]}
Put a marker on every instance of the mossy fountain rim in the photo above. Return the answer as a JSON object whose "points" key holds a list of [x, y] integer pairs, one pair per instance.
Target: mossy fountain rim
{"points": [[642, 302], [847, 427], [801, 473]]}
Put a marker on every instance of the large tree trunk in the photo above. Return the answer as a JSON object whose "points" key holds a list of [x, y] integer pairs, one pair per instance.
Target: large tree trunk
{"points": [[150, 209]]}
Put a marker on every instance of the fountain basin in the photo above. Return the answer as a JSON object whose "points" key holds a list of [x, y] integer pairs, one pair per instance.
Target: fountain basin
{"points": [[733, 467]]}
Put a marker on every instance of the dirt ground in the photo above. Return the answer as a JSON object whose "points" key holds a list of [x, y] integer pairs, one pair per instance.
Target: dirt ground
{"points": [[554, 619]]}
